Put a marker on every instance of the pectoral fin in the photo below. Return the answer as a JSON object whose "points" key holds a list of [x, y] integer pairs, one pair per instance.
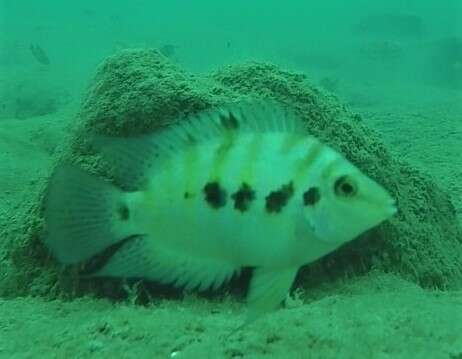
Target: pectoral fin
{"points": [[268, 288]]}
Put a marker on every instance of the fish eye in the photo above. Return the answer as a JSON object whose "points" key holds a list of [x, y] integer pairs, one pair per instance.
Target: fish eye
{"points": [[344, 186]]}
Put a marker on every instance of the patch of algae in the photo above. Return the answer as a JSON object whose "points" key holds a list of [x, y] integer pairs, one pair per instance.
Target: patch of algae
{"points": [[138, 91]]}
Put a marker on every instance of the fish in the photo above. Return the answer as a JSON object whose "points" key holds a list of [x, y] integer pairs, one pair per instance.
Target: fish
{"points": [[236, 186], [39, 54], [168, 50]]}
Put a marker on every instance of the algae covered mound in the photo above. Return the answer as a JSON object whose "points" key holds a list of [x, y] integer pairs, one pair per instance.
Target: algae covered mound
{"points": [[138, 91]]}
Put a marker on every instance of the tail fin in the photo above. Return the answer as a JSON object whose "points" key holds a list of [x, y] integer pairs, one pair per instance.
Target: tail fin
{"points": [[83, 215]]}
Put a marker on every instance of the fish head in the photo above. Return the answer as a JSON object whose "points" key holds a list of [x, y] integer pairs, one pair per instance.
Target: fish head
{"points": [[345, 203]]}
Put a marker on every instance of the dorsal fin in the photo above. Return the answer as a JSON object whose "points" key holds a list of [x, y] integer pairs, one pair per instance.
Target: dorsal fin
{"points": [[132, 158]]}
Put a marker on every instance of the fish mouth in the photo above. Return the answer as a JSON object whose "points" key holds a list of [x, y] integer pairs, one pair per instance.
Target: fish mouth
{"points": [[391, 207]]}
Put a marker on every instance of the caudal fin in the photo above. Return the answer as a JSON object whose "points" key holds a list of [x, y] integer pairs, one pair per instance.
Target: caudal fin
{"points": [[83, 215]]}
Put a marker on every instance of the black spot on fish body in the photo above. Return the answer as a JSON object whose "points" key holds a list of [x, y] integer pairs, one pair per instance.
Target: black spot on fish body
{"points": [[243, 197], [276, 200], [230, 122], [188, 195], [311, 197], [123, 212], [215, 195]]}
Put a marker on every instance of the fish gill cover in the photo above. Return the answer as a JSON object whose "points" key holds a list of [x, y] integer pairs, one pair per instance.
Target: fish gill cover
{"points": [[138, 91]]}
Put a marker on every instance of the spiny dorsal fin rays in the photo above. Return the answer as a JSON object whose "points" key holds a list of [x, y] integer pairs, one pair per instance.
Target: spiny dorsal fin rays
{"points": [[261, 116], [133, 159]]}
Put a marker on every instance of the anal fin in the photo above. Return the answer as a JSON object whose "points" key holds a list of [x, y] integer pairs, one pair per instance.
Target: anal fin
{"points": [[140, 257], [131, 260]]}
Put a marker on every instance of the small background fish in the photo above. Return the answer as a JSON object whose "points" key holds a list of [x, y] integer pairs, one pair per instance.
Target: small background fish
{"points": [[39, 54], [168, 50]]}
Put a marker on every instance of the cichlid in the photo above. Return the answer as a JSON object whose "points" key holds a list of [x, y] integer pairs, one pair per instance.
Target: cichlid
{"points": [[238, 186]]}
